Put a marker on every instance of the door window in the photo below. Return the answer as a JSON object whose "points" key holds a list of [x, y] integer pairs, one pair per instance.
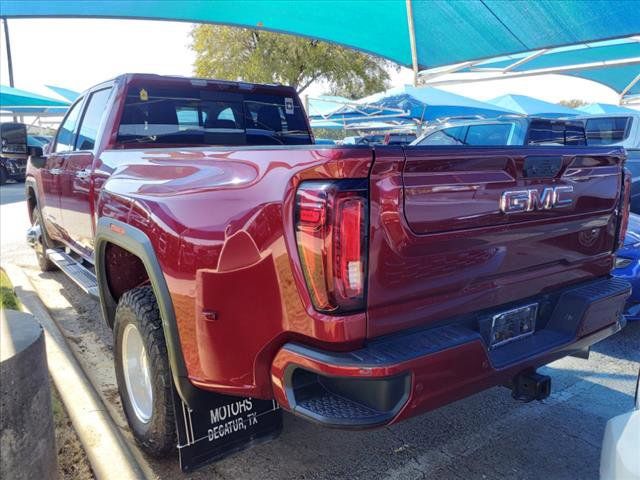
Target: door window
{"points": [[91, 119], [66, 134], [488, 135], [605, 131], [447, 136]]}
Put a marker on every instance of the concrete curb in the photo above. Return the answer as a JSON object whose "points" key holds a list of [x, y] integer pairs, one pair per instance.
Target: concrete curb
{"points": [[107, 450]]}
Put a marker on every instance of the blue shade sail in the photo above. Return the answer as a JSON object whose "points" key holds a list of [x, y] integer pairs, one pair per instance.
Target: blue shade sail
{"points": [[22, 102], [422, 104], [446, 32], [604, 109], [65, 93], [532, 106]]}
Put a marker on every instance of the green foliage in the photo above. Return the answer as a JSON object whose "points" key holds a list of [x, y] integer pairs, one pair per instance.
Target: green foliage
{"points": [[8, 298], [231, 53], [573, 103], [330, 133]]}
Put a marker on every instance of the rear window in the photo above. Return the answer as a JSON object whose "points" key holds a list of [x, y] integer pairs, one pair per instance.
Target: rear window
{"points": [[548, 132], [605, 131], [194, 115]]}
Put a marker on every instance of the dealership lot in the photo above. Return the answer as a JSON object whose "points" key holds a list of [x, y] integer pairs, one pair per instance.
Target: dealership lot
{"points": [[488, 433]]}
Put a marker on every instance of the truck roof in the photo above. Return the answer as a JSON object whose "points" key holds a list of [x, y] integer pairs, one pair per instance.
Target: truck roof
{"points": [[127, 78]]}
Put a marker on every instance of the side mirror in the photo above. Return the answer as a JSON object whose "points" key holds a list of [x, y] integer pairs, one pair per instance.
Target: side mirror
{"points": [[36, 157]]}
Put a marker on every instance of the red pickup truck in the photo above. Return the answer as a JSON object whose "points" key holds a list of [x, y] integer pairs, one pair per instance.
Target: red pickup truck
{"points": [[357, 286]]}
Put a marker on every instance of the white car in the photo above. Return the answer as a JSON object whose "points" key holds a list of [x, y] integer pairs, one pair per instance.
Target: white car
{"points": [[504, 130], [620, 457], [620, 130]]}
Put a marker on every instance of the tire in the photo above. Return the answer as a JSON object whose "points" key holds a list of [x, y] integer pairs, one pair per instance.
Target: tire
{"points": [[4, 176], [43, 245], [144, 374]]}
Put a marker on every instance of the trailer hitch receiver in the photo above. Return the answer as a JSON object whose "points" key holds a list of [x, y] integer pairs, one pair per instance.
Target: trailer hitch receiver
{"points": [[530, 385]]}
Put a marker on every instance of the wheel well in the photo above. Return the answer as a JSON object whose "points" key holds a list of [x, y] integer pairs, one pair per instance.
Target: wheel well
{"points": [[31, 202], [123, 269]]}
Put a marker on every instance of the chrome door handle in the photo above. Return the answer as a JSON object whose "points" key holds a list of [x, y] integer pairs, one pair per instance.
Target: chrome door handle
{"points": [[55, 171], [83, 174]]}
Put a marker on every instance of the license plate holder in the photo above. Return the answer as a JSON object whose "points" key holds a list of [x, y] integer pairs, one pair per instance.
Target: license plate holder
{"points": [[513, 325]]}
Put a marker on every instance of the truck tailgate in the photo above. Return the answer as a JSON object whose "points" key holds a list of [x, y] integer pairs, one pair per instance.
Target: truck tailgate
{"points": [[458, 230]]}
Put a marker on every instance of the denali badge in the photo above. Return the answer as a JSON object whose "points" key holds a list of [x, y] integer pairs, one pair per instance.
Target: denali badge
{"points": [[529, 200]]}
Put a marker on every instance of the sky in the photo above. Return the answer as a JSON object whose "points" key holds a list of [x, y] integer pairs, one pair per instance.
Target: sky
{"points": [[79, 53]]}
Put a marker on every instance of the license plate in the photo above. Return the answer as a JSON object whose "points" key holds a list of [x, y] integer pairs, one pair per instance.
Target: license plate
{"points": [[513, 324]]}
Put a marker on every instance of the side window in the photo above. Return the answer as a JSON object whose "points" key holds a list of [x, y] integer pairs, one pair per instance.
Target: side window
{"points": [[605, 131], [66, 134], [447, 136], [91, 119], [491, 134]]}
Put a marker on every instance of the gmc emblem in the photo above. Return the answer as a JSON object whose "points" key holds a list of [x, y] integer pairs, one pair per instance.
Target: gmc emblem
{"points": [[529, 200]]}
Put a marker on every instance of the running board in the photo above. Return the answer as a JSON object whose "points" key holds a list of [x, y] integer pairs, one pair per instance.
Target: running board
{"points": [[81, 276]]}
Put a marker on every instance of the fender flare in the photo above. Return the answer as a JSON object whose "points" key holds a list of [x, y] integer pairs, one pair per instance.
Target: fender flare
{"points": [[138, 243]]}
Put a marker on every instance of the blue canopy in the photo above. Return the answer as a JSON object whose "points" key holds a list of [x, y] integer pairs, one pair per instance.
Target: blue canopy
{"points": [[604, 108], [532, 106], [414, 104], [18, 101], [442, 32], [614, 63], [325, 105], [65, 93]]}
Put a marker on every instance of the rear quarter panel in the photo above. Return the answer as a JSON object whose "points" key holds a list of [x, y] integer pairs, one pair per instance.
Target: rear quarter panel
{"points": [[220, 221]]}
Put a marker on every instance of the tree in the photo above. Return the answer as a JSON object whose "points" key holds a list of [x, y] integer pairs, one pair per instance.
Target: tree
{"points": [[230, 53], [573, 103]]}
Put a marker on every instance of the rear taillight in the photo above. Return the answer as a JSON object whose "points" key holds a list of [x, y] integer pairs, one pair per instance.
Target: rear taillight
{"points": [[331, 224], [624, 206]]}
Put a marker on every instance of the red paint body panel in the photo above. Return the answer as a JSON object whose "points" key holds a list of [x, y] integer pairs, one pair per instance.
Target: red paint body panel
{"points": [[220, 220], [440, 247]]}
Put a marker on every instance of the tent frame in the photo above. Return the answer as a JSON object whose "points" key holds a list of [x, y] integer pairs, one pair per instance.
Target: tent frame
{"points": [[432, 77]]}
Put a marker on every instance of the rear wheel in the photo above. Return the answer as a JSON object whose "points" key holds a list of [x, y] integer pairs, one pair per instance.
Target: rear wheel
{"points": [[143, 372], [4, 176], [41, 244]]}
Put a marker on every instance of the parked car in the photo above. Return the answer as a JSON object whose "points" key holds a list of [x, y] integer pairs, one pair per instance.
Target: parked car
{"points": [[374, 139], [13, 153], [399, 138], [505, 130], [628, 266], [37, 140], [619, 457], [356, 286], [325, 141], [620, 130]]}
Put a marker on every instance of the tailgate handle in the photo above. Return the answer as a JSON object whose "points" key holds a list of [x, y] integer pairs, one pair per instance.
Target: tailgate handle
{"points": [[541, 167]]}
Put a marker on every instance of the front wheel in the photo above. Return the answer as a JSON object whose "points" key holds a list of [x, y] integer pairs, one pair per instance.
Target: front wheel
{"points": [[143, 372], [4, 176]]}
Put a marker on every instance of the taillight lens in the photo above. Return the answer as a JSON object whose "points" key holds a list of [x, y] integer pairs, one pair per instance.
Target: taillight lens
{"points": [[331, 222], [624, 206]]}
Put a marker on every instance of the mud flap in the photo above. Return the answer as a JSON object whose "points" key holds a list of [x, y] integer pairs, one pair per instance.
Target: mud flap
{"points": [[219, 425]]}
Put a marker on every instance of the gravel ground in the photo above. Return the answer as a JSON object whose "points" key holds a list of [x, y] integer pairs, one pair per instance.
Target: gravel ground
{"points": [[486, 436]]}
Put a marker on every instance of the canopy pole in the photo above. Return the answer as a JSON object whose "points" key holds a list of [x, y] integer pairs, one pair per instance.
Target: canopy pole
{"points": [[628, 87], [412, 41], [9, 62]]}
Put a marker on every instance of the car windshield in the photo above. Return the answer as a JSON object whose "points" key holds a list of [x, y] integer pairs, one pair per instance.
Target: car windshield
{"points": [[197, 115]]}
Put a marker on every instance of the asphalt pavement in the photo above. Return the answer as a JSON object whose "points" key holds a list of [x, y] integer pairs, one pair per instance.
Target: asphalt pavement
{"points": [[486, 436]]}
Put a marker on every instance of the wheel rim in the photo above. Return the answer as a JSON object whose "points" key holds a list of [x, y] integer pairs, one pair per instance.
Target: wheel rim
{"points": [[38, 246], [137, 377]]}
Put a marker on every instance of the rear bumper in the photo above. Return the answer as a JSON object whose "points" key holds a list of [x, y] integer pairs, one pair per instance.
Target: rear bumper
{"points": [[403, 375]]}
